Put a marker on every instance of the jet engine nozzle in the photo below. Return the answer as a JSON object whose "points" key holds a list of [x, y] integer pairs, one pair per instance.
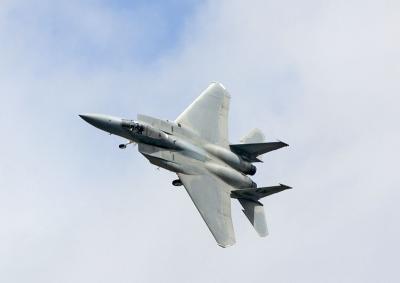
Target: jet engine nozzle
{"points": [[253, 170]]}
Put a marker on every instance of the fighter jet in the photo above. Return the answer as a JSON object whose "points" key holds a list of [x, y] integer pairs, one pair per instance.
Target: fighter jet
{"points": [[195, 146]]}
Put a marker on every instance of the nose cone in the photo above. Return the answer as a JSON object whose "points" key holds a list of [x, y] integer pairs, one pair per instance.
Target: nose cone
{"points": [[90, 118], [103, 122]]}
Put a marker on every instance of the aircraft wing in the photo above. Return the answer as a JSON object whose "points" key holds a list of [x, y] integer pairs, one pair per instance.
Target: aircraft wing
{"points": [[212, 199], [208, 115]]}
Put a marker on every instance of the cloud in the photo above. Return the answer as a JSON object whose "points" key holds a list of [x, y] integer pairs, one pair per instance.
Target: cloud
{"points": [[320, 76]]}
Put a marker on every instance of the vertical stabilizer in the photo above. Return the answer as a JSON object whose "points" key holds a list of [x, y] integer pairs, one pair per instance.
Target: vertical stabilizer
{"points": [[254, 136], [254, 211]]}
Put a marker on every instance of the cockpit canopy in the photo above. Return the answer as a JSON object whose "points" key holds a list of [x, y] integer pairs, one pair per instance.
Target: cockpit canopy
{"points": [[133, 126]]}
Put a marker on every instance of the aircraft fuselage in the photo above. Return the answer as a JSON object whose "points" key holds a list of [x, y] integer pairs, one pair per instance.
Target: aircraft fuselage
{"points": [[215, 159]]}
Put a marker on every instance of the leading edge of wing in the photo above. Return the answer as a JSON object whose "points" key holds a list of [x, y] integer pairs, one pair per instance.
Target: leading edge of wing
{"points": [[208, 115], [212, 199]]}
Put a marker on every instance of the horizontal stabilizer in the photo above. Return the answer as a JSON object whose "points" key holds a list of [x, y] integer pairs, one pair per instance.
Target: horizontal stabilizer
{"points": [[256, 194], [250, 151], [254, 211]]}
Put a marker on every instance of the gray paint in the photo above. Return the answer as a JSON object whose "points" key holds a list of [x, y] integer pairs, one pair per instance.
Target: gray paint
{"points": [[196, 147]]}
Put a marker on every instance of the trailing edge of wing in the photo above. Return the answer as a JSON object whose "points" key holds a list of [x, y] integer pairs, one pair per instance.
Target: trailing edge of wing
{"points": [[208, 115]]}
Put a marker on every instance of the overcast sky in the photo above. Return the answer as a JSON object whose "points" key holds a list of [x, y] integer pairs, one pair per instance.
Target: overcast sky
{"points": [[322, 76]]}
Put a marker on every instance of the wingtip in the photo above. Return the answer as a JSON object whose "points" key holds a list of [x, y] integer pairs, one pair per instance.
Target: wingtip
{"points": [[226, 245], [262, 235]]}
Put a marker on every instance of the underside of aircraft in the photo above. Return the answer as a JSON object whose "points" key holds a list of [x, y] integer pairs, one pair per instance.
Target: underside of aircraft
{"points": [[196, 147]]}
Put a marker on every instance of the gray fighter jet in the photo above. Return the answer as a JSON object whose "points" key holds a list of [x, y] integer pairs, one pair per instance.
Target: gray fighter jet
{"points": [[195, 146]]}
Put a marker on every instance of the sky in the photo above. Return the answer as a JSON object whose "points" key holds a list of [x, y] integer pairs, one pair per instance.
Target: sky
{"points": [[319, 75]]}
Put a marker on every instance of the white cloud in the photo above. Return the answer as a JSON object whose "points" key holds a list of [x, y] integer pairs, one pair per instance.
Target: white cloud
{"points": [[319, 75]]}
